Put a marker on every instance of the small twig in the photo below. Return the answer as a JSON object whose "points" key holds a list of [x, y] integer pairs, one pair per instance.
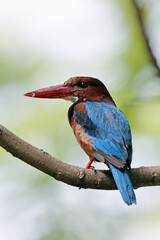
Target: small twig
{"points": [[146, 39], [75, 176]]}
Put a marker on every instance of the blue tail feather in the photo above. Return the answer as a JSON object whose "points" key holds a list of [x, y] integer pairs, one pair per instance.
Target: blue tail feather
{"points": [[124, 184]]}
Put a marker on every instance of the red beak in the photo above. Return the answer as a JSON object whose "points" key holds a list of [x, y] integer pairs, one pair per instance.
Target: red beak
{"points": [[59, 91]]}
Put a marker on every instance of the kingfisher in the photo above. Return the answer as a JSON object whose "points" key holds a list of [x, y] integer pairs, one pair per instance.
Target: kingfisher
{"points": [[101, 129]]}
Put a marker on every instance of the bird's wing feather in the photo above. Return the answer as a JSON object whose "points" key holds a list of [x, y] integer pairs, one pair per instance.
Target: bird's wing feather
{"points": [[110, 132]]}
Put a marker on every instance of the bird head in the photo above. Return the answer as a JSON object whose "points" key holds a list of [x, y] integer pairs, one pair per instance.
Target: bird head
{"points": [[83, 88]]}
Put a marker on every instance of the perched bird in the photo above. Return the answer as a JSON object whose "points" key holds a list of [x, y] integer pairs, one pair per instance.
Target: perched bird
{"points": [[101, 129]]}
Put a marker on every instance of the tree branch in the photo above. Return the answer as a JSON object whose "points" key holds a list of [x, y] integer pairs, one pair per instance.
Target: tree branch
{"points": [[75, 176], [146, 39]]}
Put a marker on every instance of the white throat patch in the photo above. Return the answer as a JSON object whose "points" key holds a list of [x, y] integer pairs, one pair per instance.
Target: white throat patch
{"points": [[72, 99]]}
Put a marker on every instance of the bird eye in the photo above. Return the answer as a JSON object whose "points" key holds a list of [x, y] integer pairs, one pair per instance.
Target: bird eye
{"points": [[82, 84]]}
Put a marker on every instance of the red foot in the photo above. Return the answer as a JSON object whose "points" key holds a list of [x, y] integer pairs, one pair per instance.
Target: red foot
{"points": [[89, 164]]}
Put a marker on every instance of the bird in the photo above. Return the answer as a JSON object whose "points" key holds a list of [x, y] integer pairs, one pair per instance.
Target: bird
{"points": [[101, 129]]}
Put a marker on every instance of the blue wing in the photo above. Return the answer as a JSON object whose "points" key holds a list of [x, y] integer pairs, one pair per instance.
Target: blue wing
{"points": [[111, 134], [109, 129]]}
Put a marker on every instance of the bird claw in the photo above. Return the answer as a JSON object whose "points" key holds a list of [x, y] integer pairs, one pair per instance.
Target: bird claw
{"points": [[92, 168], [89, 165]]}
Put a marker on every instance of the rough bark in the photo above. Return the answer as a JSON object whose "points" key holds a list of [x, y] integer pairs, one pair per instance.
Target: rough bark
{"points": [[75, 176]]}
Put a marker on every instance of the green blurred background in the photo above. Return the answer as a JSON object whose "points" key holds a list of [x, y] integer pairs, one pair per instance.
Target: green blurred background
{"points": [[43, 43]]}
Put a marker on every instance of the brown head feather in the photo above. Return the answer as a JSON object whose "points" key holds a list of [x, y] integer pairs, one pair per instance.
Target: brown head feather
{"points": [[90, 89]]}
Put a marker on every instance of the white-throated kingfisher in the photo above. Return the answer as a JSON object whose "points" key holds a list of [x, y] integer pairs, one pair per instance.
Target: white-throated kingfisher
{"points": [[101, 129]]}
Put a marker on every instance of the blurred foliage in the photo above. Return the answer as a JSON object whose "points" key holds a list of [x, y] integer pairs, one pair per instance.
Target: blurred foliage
{"points": [[33, 197], [14, 70], [19, 65], [141, 113]]}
